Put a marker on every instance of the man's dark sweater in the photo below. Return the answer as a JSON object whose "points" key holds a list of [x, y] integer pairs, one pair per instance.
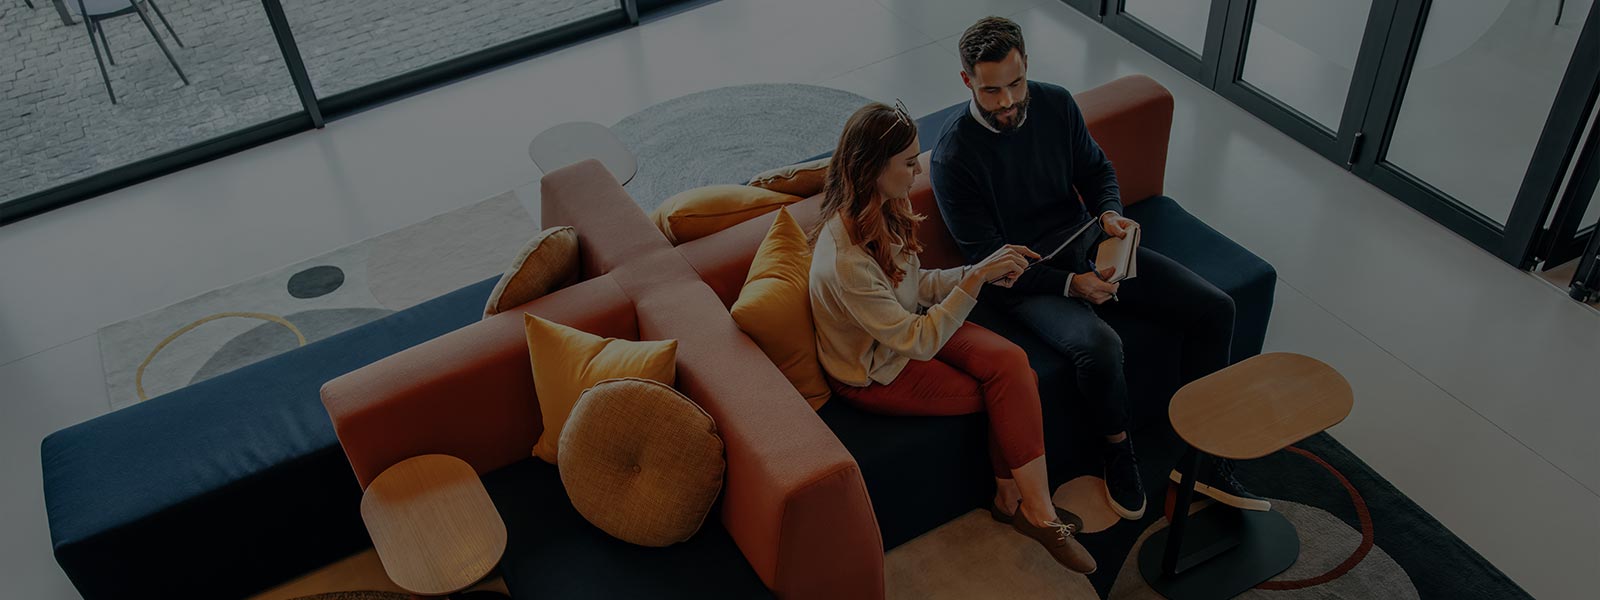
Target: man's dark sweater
{"points": [[1018, 187]]}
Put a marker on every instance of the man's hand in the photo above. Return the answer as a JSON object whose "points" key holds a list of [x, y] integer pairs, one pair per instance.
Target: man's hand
{"points": [[1116, 225], [1093, 287]]}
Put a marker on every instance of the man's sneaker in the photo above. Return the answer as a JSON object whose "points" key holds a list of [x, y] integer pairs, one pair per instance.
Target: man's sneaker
{"points": [[1219, 483], [1124, 489]]}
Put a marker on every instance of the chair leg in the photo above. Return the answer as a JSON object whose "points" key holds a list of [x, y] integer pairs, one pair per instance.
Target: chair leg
{"points": [[1561, 7], [161, 44], [29, 3], [102, 30], [164, 21], [89, 28]]}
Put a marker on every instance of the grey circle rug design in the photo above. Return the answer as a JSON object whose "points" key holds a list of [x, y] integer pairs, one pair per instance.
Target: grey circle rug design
{"points": [[728, 134]]}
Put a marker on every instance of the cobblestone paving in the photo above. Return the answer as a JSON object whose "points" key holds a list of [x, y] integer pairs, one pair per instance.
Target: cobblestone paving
{"points": [[57, 124]]}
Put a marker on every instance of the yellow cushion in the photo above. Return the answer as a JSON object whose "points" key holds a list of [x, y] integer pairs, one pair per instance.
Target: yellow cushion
{"points": [[641, 462], [774, 307], [696, 213], [567, 361], [804, 180], [549, 262]]}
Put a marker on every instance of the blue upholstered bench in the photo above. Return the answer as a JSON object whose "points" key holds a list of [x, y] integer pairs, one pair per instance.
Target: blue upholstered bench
{"points": [[226, 487]]}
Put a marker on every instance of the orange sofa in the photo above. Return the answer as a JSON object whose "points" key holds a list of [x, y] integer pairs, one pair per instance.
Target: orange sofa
{"points": [[793, 503]]}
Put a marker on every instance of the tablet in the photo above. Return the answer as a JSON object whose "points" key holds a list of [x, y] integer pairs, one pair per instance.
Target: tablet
{"points": [[1057, 250], [1066, 243]]}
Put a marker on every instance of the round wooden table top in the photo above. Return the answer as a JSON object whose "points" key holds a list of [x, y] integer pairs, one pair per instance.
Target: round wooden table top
{"points": [[574, 142], [1260, 405], [434, 527]]}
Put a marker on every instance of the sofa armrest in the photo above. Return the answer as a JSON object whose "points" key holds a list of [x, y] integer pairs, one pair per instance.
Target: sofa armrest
{"points": [[468, 393], [794, 500], [1131, 119], [612, 230]]}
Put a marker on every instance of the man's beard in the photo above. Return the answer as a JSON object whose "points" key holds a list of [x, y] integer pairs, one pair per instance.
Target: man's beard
{"points": [[1016, 120]]}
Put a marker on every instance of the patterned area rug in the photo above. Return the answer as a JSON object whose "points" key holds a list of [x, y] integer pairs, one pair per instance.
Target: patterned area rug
{"points": [[1360, 538], [234, 326]]}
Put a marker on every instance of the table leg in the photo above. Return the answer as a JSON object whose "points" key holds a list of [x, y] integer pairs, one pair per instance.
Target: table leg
{"points": [[1229, 550], [61, 9], [1190, 466]]}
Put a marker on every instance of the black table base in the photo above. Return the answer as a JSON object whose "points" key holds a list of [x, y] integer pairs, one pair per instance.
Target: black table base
{"points": [[1218, 552]]}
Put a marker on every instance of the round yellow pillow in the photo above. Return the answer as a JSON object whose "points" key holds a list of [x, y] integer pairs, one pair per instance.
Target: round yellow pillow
{"points": [[641, 461]]}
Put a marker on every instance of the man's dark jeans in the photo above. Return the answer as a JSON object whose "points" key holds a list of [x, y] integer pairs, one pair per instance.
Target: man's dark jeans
{"points": [[1164, 291]]}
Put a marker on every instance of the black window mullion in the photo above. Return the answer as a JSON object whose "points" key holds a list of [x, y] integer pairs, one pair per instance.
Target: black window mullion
{"points": [[292, 59]]}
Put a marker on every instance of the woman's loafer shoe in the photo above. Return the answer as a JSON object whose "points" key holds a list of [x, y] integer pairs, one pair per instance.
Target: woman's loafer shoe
{"points": [[1059, 539], [1063, 515]]}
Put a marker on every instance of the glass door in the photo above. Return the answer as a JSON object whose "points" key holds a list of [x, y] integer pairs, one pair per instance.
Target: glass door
{"points": [[1093, 8], [1305, 66], [1573, 221], [1480, 106], [1186, 34]]}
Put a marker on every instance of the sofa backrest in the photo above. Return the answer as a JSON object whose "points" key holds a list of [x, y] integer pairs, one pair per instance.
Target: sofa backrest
{"points": [[468, 393], [1130, 117]]}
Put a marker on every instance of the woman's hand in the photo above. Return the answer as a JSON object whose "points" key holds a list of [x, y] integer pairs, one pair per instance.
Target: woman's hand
{"points": [[1006, 264]]}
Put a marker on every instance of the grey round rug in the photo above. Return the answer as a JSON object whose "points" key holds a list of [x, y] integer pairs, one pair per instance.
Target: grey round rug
{"points": [[728, 134]]}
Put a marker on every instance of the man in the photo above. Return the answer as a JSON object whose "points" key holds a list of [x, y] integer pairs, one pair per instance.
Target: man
{"points": [[1006, 172]]}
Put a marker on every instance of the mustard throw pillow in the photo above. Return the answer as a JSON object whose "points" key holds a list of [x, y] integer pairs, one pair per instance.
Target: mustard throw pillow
{"points": [[567, 361], [804, 180], [641, 461], [549, 262], [696, 213], [774, 307]]}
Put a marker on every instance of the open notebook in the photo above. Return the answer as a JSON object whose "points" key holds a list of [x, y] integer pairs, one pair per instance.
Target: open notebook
{"points": [[1120, 253]]}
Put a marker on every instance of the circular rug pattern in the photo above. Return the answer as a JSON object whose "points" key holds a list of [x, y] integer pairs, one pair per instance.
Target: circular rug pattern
{"points": [[1325, 542], [728, 134], [266, 340], [1336, 560]]}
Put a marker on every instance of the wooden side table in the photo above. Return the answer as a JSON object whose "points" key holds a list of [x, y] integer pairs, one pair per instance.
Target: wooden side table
{"points": [[1249, 410], [569, 143], [434, 527]]}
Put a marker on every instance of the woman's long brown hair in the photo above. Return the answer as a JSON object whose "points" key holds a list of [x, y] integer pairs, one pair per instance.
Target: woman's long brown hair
{"points": [[872, 136]]}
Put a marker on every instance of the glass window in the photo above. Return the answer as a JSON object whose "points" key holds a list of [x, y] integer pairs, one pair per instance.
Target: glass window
{"points": [[1182, 20], [1484, 79], [349, 44], [1303, 53], [56, 114]]}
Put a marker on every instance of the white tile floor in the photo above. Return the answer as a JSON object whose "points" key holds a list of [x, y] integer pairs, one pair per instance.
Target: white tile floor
{"points": [[1471, 376]]}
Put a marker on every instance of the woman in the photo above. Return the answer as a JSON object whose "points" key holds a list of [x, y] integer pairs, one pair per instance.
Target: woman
{"points": [[885, 356]]}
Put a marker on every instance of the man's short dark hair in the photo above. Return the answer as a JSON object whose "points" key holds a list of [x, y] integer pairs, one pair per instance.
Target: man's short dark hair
{"points": [[991, 39]]}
